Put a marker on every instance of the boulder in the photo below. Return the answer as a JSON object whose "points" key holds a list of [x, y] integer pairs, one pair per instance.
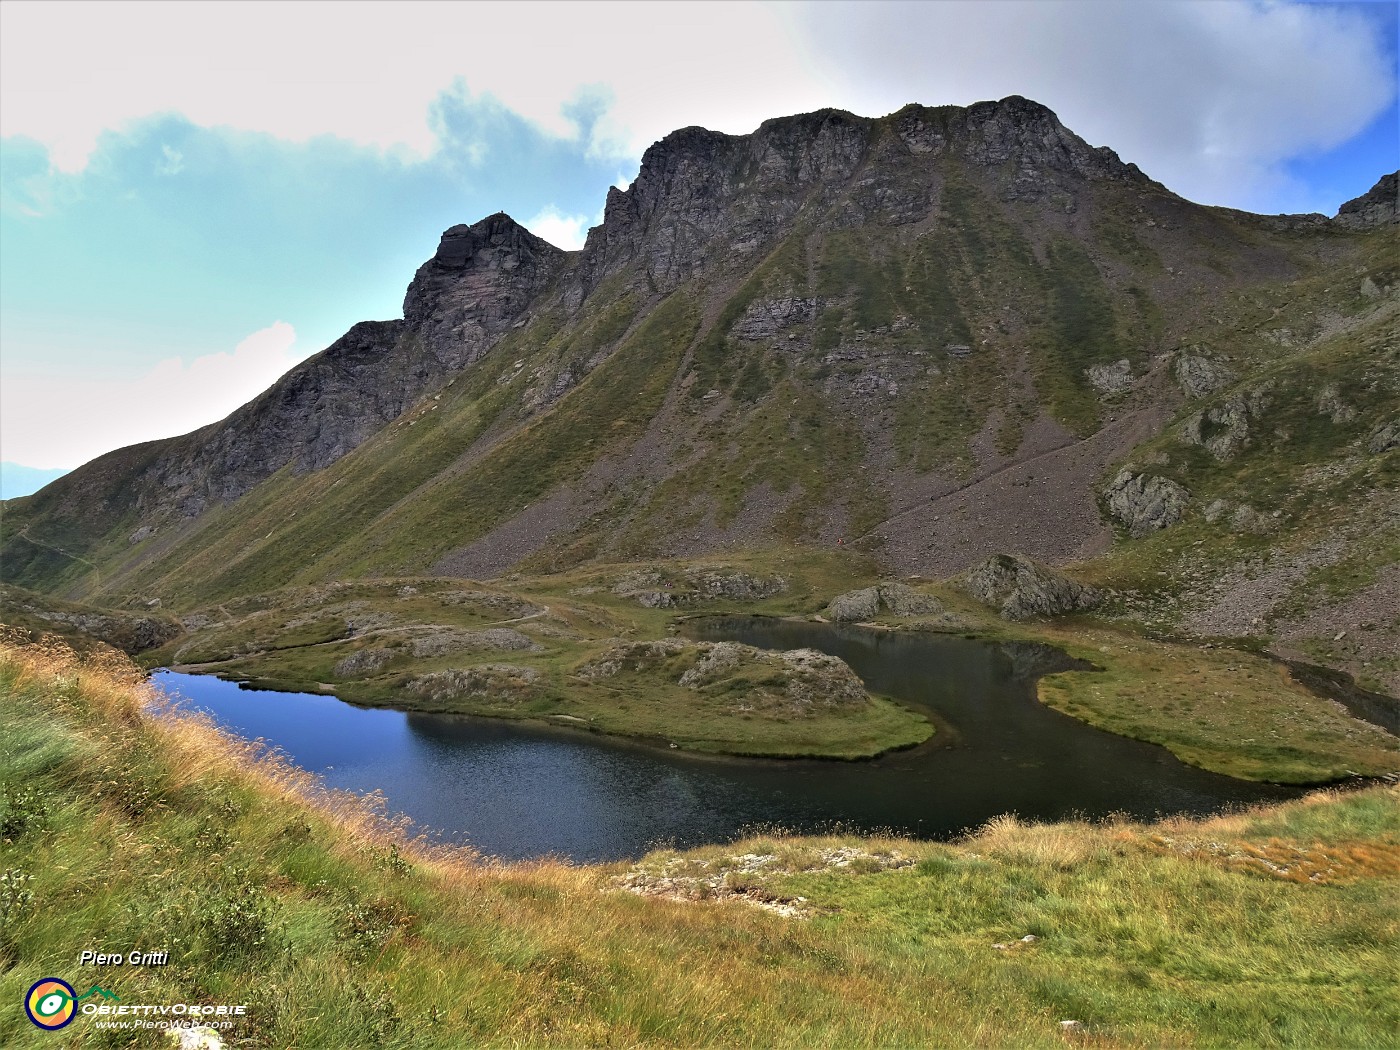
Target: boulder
{"points": [[1223, 429], [1215, 510], [1145, 503], [1246, 519], [483, 682], [1201, 376], [896, 599], [1330, 404], [362, 662], [855, 606], [1111, 379], [1385, 439], [1020, 589]]}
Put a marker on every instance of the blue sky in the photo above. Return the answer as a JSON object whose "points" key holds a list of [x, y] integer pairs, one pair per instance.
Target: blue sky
{"points": [[194, 197]]}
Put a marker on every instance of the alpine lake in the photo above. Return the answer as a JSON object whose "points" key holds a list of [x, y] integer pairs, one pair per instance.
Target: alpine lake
{"points": [[519, 790]]}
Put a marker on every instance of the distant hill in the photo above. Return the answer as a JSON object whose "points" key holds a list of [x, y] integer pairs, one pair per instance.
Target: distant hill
{"points": [[933, 336], [17, 480]]}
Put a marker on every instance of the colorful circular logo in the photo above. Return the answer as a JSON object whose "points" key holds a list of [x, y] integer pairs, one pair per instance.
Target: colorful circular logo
{"points": [[51, 1003]]}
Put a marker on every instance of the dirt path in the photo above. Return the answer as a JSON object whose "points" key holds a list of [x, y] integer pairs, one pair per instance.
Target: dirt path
{"points": [[24, 535]]}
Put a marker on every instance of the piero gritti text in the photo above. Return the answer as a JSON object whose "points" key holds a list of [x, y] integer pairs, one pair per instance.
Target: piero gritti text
{"points": [[132, 958]]}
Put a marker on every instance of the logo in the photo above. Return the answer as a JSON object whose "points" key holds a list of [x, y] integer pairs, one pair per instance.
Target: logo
{"points": [[51, 1003]]}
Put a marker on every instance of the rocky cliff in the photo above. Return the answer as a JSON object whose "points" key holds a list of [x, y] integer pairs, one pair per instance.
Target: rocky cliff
{"points": [[936, 335]]}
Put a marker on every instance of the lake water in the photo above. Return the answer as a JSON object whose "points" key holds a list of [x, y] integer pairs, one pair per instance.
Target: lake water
{"points": [[518, 791]]}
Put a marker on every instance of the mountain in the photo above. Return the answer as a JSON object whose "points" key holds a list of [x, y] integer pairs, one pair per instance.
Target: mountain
{"points": [[930, 337]]}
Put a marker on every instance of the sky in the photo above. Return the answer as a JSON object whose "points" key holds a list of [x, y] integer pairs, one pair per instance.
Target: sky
{"points": [[195, 197]]}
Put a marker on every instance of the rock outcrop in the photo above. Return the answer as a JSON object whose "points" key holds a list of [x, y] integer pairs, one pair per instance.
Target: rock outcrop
{"points": [[1223, 430], [480, 282], [129, 632], [1378, 206], [1111, 379], [1384, 439], [1145, 503], [490, 682], [895, 599], [1020, 590], [1201, 376], [796, 681], [362, 663], [656, 589]]}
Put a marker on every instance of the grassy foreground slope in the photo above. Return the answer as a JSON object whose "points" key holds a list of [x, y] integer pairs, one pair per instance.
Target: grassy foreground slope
{"points": [[1271, 928]]}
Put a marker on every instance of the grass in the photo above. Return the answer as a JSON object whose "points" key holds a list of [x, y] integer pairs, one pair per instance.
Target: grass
{"points": [[1226, 709], [298, 638], [136, 831], [1221, 709]]}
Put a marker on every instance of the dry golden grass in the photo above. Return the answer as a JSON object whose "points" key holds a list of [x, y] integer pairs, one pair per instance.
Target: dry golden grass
{"points": [[284, 893]]}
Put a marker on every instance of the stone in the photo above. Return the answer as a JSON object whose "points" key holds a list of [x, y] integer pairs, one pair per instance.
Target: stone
{"points": [[1201, 376], [1223, 430], [1384, 439], [362, 662], [818, 679], [1330, 404], [1246, 519], [900, 599], [799, 680], [897, 599], [1145, 503], [498, 682], [1215, 510], [855, 606], [1020, 589], [1111, 379], [767, 318]]}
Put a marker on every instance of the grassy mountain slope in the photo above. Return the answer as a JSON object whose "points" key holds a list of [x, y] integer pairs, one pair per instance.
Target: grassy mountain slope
{"points": [[913, 342]]}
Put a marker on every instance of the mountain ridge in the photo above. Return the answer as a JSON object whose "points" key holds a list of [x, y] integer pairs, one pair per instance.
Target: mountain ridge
{"points": [[937, 331]]}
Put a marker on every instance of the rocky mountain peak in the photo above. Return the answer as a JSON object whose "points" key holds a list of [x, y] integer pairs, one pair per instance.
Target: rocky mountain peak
{"points": [[480, 281], [703, 197], [1378, 206]]}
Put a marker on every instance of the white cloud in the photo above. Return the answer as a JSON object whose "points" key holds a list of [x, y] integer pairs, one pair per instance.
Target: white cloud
{"points": [[63, 422], [563, 231], [1207, 96], [370, 73]]}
